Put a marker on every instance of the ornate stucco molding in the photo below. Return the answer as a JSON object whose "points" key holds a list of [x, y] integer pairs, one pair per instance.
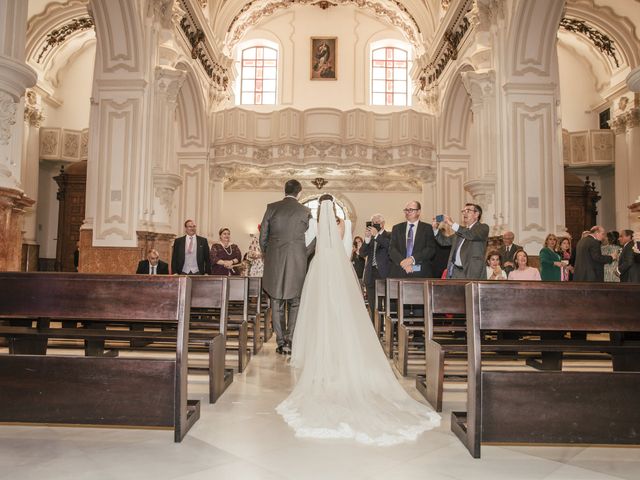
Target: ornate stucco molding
{"points": [[7, 117], [392, 11]]}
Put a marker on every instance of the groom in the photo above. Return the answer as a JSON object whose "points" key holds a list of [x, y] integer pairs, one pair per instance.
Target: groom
{"points": [[282, 240]]}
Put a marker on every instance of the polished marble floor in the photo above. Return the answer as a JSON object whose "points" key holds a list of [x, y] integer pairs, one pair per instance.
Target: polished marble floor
{"points": [[242, 437]]}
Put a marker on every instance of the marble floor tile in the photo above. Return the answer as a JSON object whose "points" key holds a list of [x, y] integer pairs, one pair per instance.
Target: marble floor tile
{"points": [[241, 437]]}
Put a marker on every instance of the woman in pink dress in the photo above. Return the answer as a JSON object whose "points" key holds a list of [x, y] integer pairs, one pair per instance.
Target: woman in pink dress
{"points": [[523, 271]]}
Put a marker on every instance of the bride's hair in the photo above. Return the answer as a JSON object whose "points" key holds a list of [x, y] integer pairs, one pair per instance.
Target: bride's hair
{"points": [[323, 197]]}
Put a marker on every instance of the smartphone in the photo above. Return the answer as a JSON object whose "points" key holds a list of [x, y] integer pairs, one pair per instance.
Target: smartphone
{"points": [[368, 224], [439, 218]]}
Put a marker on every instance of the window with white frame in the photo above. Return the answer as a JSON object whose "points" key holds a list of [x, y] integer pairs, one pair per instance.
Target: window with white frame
{"points": [[390, 67], [258, 75]]}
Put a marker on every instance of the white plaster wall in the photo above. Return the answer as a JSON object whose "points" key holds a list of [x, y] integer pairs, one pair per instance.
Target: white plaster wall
{"points": [[47, 209], [243, 211], [75, 91], [627, 8], [292, 30], [577, 93]]}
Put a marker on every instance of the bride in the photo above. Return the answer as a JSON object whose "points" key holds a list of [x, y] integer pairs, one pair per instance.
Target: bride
{"points": [[345, 386]]}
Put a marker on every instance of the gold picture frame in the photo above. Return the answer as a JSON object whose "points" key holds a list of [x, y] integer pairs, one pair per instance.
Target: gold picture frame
{"points": [[324, 58]]}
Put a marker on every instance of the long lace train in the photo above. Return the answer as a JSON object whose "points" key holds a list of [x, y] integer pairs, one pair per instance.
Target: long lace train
{"points": [[345, 386]]}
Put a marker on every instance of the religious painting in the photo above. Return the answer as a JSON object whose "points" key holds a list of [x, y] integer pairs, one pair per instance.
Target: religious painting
{"points": [[324, 58]]}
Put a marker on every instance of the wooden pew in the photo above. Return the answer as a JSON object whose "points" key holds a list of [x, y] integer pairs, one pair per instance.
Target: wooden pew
{"points": [[211, 294], [390, 317], [238, 317], [444, 315], [41, 388], [410, 292], [379, 306], [256, 314], [552, 407]]}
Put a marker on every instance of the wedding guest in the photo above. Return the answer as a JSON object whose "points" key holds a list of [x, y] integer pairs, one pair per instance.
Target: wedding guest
{"points": [[190, 254], [356, 260], [590, 262], [567, 257], [376, 250], [508, 250], [412, 245], [225, 256], [550, 261], [610, 246], [494, 269], [152, 265], [629, 261], [523, 271], [254, 257]]}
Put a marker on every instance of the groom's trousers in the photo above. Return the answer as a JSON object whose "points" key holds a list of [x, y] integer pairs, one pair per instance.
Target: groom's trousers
{"points": [[283, 316]]}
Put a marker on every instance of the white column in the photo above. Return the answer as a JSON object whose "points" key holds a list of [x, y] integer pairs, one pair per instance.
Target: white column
{"points": [[618, 125], [633, 172], [217, 176], [481, 183], [31, 161], [15, 77]]}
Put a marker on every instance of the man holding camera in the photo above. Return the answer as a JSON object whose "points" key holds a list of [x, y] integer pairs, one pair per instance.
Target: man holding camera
{"points": [[376, 250], [468, 243]]}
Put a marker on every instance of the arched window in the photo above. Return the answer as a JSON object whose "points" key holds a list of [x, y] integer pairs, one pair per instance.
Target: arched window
{"points": [[313, 204], [390, 76], [258, 75]]}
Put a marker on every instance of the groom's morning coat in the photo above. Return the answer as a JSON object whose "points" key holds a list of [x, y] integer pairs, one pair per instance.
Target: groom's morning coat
{"points": [[282, 242]]}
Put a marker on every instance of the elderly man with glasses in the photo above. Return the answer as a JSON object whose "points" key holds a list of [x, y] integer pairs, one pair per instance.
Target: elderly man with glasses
{"points": [[412, 245], [468, 243]]}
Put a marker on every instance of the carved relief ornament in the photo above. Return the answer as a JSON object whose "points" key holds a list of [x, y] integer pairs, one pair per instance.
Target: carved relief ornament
{"points": [[7, 117]]}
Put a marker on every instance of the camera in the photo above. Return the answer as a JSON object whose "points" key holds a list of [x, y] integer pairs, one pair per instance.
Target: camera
{"points": [[439, 218], [377, 226]]}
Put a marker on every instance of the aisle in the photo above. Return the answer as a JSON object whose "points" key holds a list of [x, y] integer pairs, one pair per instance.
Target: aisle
{"points": [[243, 438]]}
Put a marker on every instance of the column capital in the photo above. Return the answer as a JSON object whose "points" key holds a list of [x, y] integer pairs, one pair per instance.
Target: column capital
{"points": [[632, 118], [479, 84], [169, 81]]}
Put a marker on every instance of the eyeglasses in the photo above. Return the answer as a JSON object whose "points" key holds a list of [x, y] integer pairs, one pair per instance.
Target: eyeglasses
{"points": [[409, 210], [468, 210]]}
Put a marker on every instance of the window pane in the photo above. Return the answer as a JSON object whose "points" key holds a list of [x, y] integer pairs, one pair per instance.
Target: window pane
{"points": [[269, 98], [378, 73], [269, 85], [379, 63], [247, 85], [258, 99], [269, 73], [400, 87], [400, 54], [270, 63], [399, 99], [258, 85], [270, 53], [248, 63], [399, 74], [389, 53], [258, 72], [247, 98], [377, 98], [378, 54], [249, 53], [249, 72], [378, 86], [389, 99]]}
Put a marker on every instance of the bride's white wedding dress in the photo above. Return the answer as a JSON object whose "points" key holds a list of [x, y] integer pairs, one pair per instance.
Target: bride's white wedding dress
{"points": [[345, 386]]}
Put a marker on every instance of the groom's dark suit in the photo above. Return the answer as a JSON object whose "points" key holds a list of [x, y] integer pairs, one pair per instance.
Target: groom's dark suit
{"points": [[285, 262]]}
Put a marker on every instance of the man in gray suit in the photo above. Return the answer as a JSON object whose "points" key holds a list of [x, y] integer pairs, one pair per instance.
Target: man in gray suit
{"points": [[468, 244], [590, 261], [507, 251], [282, 240]]}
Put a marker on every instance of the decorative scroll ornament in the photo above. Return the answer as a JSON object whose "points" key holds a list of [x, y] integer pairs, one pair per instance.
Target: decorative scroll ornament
{"points": [[601, 41], [199, 51], [7, 117], [319, 182], [59, 35], [447, 51]]}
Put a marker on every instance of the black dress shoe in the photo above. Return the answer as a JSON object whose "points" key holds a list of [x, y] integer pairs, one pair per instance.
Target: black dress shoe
{"points": [[287, 350], [280, 350]]}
